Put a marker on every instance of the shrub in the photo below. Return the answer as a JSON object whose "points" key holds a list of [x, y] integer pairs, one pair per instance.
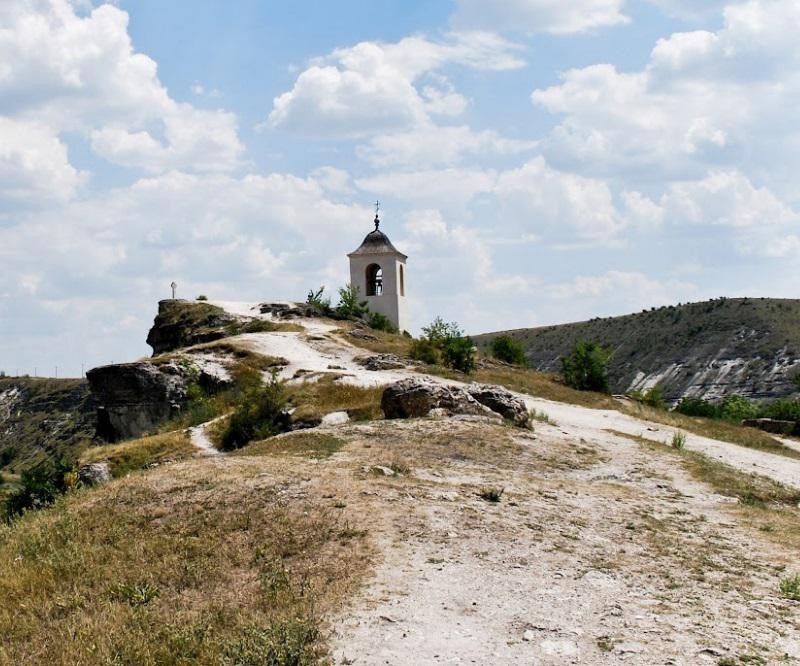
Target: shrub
{"points": [[380, 322], [678, 440], [349, 306], [260, 414], [424, 350], [505, 348], [585, 367], [790, 587], [697, 407], [447, 341], [652, 397], [439, 330], [785, 409], [736, 408], [202, 297], [459, 354], [39, 487]]}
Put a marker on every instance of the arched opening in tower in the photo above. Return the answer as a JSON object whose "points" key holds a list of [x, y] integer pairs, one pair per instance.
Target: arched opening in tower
{"points": [[374, 280]]}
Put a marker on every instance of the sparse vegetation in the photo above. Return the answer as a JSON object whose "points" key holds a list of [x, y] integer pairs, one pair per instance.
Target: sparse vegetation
{"points": [[313, 400], [584, 368], [790, 587], [136, 454], [261, 413], [678, 440], [652, 397], [202, 297], [542, 417]]}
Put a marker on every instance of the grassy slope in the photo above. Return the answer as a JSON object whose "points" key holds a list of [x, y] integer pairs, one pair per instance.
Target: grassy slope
{"points": [[653, 339], [50, 418]]}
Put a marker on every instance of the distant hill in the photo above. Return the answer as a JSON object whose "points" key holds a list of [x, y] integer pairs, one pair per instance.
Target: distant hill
{"points": [[745, 346], [43, 419]]}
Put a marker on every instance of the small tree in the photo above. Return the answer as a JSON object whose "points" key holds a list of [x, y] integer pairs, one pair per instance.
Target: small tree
{"points": [[447, 341], [318, 301], [505, 348], [585, 367], [349, 306]]}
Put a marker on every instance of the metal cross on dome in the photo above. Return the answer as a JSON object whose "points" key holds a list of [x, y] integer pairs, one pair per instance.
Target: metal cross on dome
{"points": [[377, 209]]}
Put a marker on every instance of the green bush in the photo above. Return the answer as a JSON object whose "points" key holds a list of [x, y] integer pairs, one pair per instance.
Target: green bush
{"points": [[39, 487], [202, 297], [446, 341], [261, 413], [785, 409], [380, 322], [505, 348], [736, 408], [459, 354], [697, 407], [652, 397], [439, 330], [424, 350], [349, 306], [585, 367]]}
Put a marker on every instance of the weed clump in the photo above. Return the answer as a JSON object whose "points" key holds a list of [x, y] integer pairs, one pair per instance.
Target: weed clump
{"points": [[678, 440], [790, 587]]}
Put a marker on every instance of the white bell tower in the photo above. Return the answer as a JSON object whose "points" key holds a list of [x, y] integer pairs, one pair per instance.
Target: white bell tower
{"points": [[378, 272]]}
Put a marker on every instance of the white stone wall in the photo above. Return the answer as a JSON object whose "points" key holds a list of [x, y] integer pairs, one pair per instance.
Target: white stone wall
{"points": [[390, 303]]}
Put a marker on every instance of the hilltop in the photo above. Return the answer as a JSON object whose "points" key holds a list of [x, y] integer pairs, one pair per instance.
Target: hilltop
{"points": [[369, 540], [744, 346]]}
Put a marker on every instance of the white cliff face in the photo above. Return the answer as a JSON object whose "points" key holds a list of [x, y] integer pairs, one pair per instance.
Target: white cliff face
{"points": [[754, 378]]}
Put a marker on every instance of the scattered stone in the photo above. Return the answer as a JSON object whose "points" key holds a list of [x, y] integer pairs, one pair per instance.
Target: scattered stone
{"points": [[361, 334], [529, 635], [94, 474], [381, 362], [335, 418]]}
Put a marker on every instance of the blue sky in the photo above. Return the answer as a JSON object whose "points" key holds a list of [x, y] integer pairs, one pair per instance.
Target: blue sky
{"points": [[539, 161]]}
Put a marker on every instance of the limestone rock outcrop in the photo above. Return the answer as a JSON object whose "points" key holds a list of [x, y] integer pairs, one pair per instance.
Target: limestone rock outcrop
{"points": [[412, 398], [182, 323], [133, 398]]}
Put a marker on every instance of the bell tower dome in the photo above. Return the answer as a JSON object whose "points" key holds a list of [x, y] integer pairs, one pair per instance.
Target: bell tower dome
{"points": [[378, 272]]}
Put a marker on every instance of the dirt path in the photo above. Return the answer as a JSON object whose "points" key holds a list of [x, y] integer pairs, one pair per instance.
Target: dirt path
{"points": [[199, 437], [620, 558]]}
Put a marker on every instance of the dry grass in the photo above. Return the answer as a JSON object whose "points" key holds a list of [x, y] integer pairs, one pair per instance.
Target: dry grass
{"points": [[141, 453], [305, 443], [314, 400], [205, 564], [379, 342], [751, 438]]}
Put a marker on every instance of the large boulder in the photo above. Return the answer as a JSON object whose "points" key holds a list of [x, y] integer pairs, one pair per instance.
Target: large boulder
{"points": [[411, 398], [502, 401]]}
